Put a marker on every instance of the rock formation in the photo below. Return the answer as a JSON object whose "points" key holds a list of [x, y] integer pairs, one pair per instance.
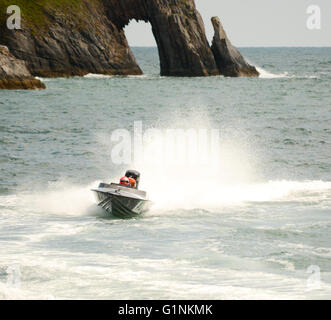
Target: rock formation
{"points": [[14, 74], [70, 38], [178, 30], [67, 38], [229, 60]]}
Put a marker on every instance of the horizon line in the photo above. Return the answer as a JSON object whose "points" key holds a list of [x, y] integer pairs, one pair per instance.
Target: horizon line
{"points": [[299, 46]]}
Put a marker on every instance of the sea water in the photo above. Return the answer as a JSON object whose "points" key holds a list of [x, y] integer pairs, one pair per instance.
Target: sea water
{"points": [[258, 227]]}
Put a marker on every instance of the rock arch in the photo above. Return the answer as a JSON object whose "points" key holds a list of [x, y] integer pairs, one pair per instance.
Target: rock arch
{"points": [[88, 37], [178, 30]]}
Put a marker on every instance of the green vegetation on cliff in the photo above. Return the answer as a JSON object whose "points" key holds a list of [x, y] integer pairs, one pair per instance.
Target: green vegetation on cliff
{"points": [[34, 11]]}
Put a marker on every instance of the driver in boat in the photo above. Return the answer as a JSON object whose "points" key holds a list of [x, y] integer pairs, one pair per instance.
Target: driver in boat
{"points": [[125, 182], [128, 182], [133, 183]]}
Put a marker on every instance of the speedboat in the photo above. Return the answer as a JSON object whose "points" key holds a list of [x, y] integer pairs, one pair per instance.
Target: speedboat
{"points": [[123, 201]]}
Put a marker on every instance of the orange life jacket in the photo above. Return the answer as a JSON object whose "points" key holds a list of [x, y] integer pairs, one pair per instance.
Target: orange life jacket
{"points": [[133, 182]]}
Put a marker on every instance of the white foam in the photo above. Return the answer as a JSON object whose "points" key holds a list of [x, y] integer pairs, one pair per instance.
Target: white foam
{"points": [[177, 188], [97, 76], [264, 74], [43, 79], [58, 198], [169, 193], [202, 195], [142, 76]]}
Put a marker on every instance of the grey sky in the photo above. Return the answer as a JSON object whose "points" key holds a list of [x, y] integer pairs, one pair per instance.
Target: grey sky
{"points": [[255, 23]]}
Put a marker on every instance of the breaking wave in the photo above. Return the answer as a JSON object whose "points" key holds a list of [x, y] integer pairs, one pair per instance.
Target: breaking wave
{"points": [[264, 74], [268, 75]]}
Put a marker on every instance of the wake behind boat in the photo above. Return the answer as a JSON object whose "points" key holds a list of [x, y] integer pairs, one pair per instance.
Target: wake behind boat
{"points": [[123, 200]]}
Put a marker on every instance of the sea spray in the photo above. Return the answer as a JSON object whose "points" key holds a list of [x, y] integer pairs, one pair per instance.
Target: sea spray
{"points": [[268, 75], [60, 198]]}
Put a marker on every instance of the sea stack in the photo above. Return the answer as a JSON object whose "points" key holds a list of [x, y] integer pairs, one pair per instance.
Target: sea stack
{"points": [[14, 74], [229, 60]]}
